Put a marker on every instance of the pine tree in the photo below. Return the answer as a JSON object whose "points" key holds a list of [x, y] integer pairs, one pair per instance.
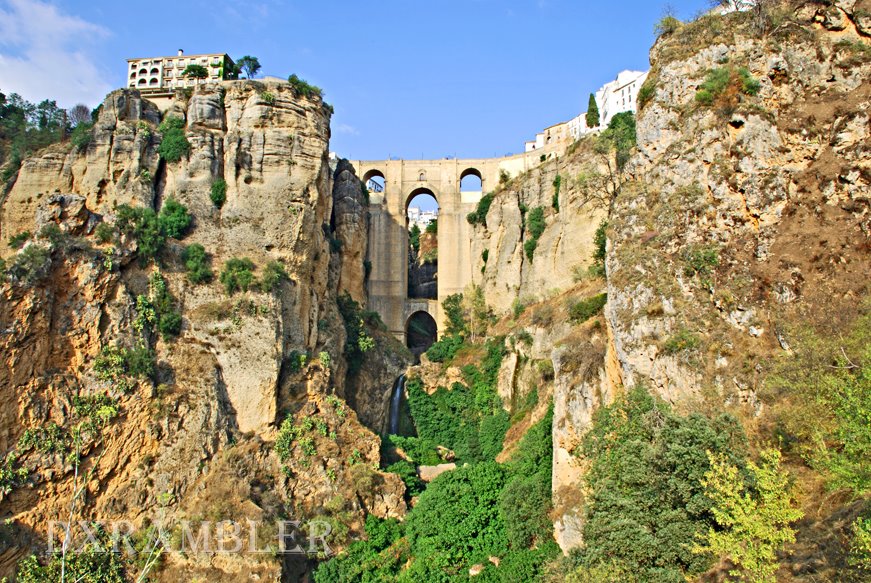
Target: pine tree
{"points": [[592, 113]]}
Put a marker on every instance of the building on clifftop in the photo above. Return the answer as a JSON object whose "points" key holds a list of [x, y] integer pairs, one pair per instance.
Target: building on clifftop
{"points": [[158, 77]]}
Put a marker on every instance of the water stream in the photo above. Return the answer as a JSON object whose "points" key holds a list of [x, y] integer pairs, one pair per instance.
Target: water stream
{"points": [[395, 402]]}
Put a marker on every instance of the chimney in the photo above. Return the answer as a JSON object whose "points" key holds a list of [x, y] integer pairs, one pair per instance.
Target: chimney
{"points": [[180, 52]]}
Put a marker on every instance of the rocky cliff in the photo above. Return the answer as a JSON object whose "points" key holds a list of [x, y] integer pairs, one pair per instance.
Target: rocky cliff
{"points": [[191, 436]]}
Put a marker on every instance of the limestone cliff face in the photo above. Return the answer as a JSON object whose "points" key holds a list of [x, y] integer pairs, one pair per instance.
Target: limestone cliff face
{"points": [[745, 218], [565, 247], [240, 364], [351, 224]]}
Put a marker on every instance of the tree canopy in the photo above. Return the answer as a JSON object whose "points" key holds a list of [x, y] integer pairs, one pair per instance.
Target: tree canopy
{"points": [[249, 65]]}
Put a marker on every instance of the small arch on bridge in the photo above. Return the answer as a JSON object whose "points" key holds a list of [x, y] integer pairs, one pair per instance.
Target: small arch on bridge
{"points": [[421, 332], [471, 180], [421, 177], [374, 180]]}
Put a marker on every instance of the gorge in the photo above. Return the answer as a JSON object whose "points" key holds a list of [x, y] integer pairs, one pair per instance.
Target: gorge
{"points": [[205, 320]]}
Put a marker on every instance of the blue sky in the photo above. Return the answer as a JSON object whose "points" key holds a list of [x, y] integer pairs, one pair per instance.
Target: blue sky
{"points": [[410, 79]]}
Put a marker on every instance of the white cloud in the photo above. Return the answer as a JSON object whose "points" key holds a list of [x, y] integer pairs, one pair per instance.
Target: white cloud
{"points": [[46, 54], [344, 128]]}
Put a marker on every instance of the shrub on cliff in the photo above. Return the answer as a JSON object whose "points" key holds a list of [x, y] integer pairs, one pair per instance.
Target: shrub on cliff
{"points": [[303, 89], [273, 275], [479, 215], [752, 523], [174, 144], [646, 505], [725, 85], [196, 262], [218, 193], [237, 275], [585, 309], [30, 265], [174, 219], [357, 339], [141, 225]]}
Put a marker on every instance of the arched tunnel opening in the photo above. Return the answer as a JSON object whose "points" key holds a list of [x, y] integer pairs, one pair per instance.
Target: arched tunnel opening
{"points": [[420, 333], [422, 211]]}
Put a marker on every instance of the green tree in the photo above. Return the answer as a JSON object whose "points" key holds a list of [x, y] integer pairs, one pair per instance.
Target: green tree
{"points": [[194, 71], [753, 525], [249, 65], [592, 112], [645, 504], [414, 237]]}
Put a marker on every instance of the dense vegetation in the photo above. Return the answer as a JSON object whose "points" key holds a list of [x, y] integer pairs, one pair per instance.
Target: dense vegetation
{"points": [[461, 519], [26, 127]]}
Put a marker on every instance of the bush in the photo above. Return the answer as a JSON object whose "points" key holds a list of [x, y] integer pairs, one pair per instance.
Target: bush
{"points": [[174, 219], [647, 91], [304, 89], [159, 309], [529, 247], [30, 265], [407, 471], [535, 222], [174, 144], [681, 341], [18, 241], [666, 25], [585, 309], [479, 215], [141, 224], [725, 84], [621, 136], [196, 262], [267, 97], [357, 340], [828, 379], [645, 505], [457, 521], [445, 348], [600, 242], [457, 322], [237, 275], [81, 135], [91, 565], [218, 193], [273, 275], [752, 526], [123, 366], [104, 233], [526, 501]]}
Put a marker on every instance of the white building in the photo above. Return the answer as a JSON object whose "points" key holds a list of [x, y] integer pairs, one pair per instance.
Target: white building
{"points": [[420, 217], [619, 95], [159, 75], [612, 98]]}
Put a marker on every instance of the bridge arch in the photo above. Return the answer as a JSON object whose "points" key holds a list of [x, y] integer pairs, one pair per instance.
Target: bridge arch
{"points": [[420, 191], [421, 331], [471, 180], [374, 180]]}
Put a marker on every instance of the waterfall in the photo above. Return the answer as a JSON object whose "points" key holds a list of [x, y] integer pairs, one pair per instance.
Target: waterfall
{"points": [[395, 400]]}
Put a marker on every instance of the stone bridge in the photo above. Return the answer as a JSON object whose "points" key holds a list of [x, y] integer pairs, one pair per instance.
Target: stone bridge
{"points": [[388, 233]]}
